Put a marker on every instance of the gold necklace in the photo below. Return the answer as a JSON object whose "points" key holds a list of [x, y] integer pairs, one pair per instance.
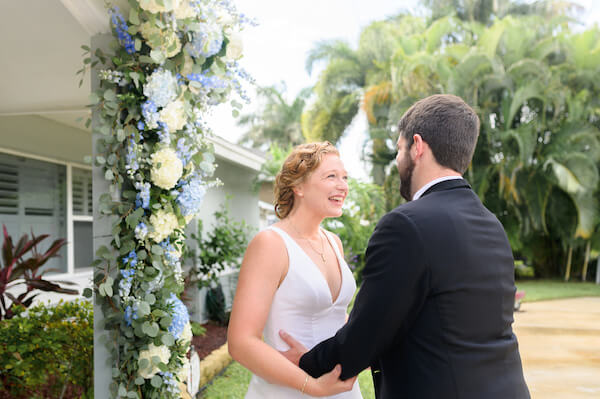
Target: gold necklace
{"points": [[322, 253]]}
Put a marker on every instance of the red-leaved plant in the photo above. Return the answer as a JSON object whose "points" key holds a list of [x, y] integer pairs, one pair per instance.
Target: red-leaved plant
{"points": [[16, 269]]}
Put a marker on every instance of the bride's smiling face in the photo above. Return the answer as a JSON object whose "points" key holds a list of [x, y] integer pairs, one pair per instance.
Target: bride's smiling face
{"points": [[326, 188]]}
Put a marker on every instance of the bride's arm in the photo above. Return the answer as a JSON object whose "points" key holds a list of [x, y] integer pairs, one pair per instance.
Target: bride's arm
{"points": [[263, 268]]}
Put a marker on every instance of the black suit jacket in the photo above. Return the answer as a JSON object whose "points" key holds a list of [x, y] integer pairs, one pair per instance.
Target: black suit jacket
{"points": [[434, 312]]}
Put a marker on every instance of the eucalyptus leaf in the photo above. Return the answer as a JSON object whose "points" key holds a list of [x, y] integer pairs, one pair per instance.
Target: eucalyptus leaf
{"points": [[168, 339], [156, 381]]}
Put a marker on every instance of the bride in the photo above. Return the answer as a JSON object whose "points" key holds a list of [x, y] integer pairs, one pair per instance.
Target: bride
{"points": [[294, 278]]}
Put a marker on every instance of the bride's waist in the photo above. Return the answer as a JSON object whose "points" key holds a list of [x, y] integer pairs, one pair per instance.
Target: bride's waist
{"points": [[308, 331]]}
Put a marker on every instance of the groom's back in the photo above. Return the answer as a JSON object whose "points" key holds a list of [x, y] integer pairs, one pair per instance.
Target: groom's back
{"points": [[461, 343]]}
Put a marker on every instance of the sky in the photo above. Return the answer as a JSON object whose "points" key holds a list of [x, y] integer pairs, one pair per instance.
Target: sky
{"points": [[275, 51]]}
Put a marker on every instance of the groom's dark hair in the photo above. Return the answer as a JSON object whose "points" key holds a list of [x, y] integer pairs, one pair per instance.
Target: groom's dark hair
{"points": [[447, 124]]}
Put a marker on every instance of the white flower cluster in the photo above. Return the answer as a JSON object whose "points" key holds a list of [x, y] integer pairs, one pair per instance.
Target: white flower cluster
{"points": [[162, 352], [173, 115], [167, 168], [163, 224]]}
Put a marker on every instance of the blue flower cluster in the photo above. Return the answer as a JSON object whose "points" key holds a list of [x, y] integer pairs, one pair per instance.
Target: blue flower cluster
{"points": [[170, 252], [131, 259], [143, 196], [122, 30], [184, 151], [170, 382], [131, 313], [163, 133], [180, 316], [150, 114], [207, 41], [141, 126], [125, 283], [191, 196], [207, 82]]}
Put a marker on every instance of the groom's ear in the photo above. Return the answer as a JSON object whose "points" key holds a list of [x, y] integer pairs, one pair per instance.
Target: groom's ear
{"points": [[417, 149]]}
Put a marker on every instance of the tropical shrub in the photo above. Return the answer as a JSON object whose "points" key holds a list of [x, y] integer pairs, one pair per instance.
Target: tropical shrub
{"points": [[46, 351], [20, 266]]}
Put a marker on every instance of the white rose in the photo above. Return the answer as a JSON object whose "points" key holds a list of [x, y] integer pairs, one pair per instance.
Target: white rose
{"points": [[174, 115], [235, 47], [154, 7], [184, 10], [166, 168], [163, 224], [163, 354]]}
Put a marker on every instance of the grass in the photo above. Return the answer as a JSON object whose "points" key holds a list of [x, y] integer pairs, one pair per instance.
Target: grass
{"points": [[232, 384], [541, 290]]}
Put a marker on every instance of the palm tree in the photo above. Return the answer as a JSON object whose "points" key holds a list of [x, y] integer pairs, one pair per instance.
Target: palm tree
{"points": [[276, 121]]}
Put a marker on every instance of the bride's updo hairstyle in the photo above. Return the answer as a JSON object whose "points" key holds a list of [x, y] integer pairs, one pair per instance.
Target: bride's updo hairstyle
{"points": [[302, 161]]}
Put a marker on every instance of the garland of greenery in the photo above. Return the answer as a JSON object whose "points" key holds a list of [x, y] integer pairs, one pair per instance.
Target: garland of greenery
{"points": [[172, 61]]}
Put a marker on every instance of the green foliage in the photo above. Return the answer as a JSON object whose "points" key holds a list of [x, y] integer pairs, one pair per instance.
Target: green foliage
{"points": [[20, 266], [532, 82], [47, 349], [522, 270], [222, 247], [275, 158], [277, 121], [197, 329], [364, 206]]}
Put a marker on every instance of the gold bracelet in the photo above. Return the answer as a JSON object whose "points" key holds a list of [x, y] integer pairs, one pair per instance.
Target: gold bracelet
{"points": [[304, 385]]}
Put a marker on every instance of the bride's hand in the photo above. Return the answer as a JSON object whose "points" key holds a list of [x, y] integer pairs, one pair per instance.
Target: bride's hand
{"points": [[329, 384]]}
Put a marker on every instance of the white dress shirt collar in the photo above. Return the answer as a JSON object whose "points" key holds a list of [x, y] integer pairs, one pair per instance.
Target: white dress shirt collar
{"points": [[422, 190]]}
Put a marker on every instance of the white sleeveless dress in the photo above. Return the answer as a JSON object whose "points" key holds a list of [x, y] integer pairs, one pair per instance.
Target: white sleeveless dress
{"points": [[303, 307]]}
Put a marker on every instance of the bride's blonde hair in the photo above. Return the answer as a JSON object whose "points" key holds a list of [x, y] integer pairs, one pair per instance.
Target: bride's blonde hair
{"points": [[301, 162]]}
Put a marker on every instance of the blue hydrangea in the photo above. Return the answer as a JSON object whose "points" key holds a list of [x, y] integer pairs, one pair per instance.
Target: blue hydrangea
{"points": [[122, 30], [208, 82], [207, 40], [143, 196], [170, 382], [179, 314], [130, 314], [141, 231], [163, 133], [161, 87], [141, 126], [184, 151], [150, 114], [191, 196], [170, 253]]}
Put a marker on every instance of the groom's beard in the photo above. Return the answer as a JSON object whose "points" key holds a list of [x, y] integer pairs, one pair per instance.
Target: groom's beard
{"points": [[406, 180]]}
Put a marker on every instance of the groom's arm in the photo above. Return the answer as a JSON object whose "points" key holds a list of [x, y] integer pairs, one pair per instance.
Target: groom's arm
{"points": [[394, 287]]}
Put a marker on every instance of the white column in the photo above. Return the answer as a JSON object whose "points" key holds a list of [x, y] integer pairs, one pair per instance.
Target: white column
{"points": [[102, 234]]}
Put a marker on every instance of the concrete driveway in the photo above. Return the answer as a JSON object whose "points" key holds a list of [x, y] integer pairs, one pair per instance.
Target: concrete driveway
{"points": [[559, 342]]}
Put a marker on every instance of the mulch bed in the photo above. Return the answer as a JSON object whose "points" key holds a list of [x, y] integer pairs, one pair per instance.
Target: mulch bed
{"points": [[214, 338]]}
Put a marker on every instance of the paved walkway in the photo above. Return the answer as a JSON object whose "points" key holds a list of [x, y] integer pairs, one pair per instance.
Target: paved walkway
{"points": [[560, 346]]}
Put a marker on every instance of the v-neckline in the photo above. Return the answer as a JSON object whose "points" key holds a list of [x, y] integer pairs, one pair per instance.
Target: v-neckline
{"points": [[323, 277]]}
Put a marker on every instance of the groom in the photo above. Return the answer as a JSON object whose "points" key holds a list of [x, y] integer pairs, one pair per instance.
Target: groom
{"points": [[434, 313]]}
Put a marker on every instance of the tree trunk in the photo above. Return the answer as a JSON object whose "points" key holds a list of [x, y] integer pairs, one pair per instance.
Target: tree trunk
{"points": [[569, 256], [585, 262]]}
